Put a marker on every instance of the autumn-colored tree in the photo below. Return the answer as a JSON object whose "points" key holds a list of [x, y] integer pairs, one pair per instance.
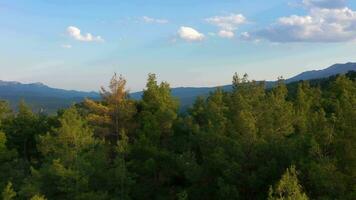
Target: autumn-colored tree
{"points": [[114, 113], [113, 120]]}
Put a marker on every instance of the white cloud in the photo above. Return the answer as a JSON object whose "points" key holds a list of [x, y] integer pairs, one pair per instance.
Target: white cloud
{"points": [[151, 20], [66, 46], [226, 34], [227, 24], [320, 25], [190, 34], [230, 22], [75, 33], [325, 3]]}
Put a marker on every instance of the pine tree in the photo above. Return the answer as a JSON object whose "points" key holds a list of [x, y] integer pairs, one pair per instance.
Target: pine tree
{"points": [[215, 113], [277, 119], [114, 113], [21, 132], [22, 129], [66, 169], [4, 111], [158, 112], [151, 160], [11, 167], [306, 104], [341, 102], [68, 141], [288, 188], [8, 193], [38, 197]]}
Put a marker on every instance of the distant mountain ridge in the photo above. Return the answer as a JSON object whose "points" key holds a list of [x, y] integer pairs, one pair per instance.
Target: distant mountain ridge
{"points": [[40, 96], [187, 95], [330, 71], [39, 89]]}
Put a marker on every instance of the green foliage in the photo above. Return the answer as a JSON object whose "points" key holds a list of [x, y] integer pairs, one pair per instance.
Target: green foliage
{"points": [[288, 188], [67, 165], [38, 197], [4, 111], [229, 145], [11, 167], [22, 130], [158, 110], [8, 193], [69, 140]]}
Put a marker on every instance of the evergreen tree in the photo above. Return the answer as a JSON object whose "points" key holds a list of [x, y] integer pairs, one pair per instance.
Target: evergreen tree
{"points": [[158, 111], [67, 168], [151, 160], [8, 193], [114, 113], [38, 197], [277, 120], [23, 129], [229, 145], [288, 188], [4, 111], [11, 167]]}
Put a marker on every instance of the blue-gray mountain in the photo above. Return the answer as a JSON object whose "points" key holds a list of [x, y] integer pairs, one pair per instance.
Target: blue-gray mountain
{"points": [[330, 71], [187, 95], [40, 96]]}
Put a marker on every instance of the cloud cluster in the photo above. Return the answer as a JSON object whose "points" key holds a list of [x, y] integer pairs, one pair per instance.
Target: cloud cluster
{"points": [[226, 34], [151, 20], [230, 22], [227, 24], [325, 22], [75, 33], [190, 34]]}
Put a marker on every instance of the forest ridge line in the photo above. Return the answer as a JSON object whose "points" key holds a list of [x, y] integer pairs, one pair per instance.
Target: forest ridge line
{"points": [[42, 97], [293, 141]]}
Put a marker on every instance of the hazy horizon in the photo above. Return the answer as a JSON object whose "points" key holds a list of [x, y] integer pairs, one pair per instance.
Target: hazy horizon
{"points": [[187, 43], [177, 86]]}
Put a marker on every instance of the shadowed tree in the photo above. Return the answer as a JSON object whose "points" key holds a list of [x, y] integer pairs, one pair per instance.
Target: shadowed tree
{"points": [[68, 165]]}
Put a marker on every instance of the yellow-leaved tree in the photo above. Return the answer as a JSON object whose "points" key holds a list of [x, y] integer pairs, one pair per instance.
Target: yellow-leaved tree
{"points": [[112, 116]]}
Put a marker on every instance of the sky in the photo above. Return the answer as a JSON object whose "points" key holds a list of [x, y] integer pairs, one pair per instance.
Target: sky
{"points": [[80, 44]]}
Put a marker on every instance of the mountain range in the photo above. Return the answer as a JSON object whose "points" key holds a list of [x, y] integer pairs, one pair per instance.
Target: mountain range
{"points": [[42, 97], [187, 95]]}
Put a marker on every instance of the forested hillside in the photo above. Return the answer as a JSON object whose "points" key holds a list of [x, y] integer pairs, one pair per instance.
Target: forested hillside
{"points": [[40, 97], [295, 141]]}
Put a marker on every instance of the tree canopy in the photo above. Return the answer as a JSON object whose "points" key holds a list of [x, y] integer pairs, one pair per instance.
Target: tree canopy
{"points": [[294, 141]]}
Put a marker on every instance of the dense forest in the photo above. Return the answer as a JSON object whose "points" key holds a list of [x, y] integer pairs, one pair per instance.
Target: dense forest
{"points": [[291, 142]]}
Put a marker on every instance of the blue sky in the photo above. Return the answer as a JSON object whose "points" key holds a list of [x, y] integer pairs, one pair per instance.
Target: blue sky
{"points": [[79, 44]]}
